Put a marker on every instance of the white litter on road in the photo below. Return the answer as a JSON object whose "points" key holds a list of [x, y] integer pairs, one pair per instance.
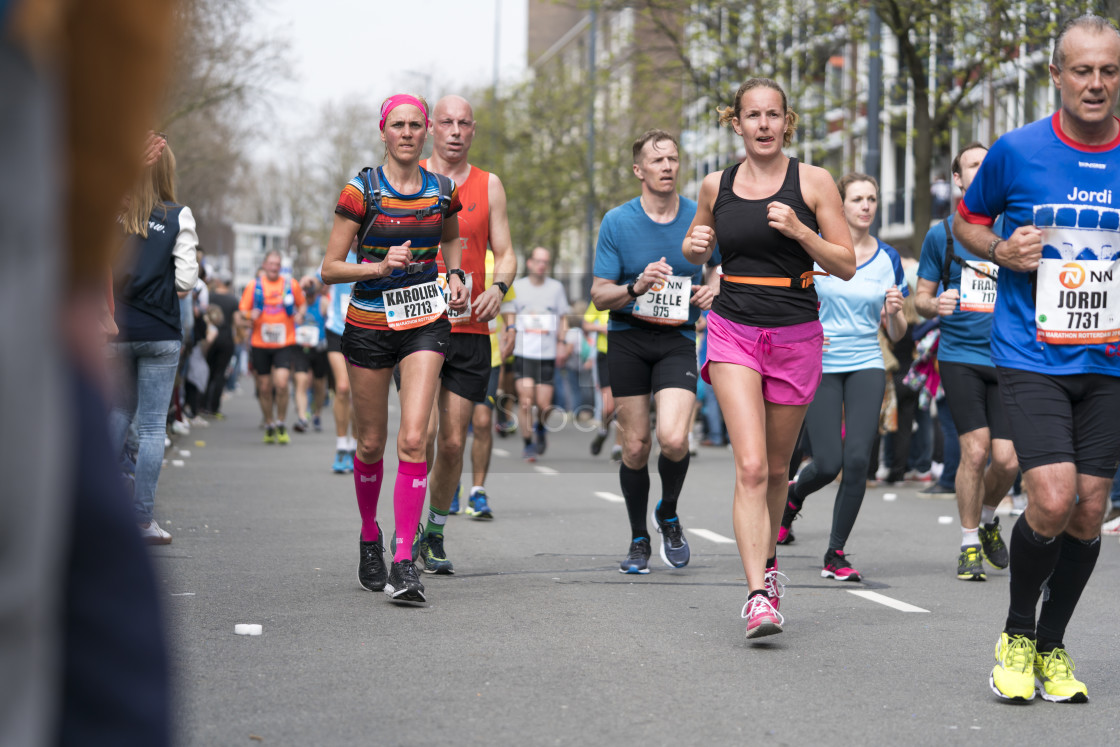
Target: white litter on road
{"points": [[184, 453], [178, 463], [545, 470], [609, 496], [247, 629], [500, 453], [711, 536], [881, 599], [944, 519], [890, 496]]}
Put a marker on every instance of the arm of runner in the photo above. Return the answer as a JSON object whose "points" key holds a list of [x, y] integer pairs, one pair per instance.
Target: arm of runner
{"points": [[452, 249], [832, 247], [1020, 252], [337, 270], [700, 240], [930, 305], [891, 316], [505, 261]]}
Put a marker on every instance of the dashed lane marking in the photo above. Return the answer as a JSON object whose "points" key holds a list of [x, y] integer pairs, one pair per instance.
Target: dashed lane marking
{"points": [[545, 470], [500, 452], [885, 600], [609, 496], [711, 536]]}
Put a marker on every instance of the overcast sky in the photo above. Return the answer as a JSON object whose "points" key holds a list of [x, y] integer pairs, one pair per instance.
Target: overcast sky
{"points": [[374, 48]]}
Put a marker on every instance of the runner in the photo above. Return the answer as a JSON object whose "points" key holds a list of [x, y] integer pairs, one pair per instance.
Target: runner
{"points": [[275, 305], [764, 337], [397, 315], [541, 307], [338, 301], [971, 388], [654, 296], [843, 419], [1055, 332], [309, 359], [465, 378]]}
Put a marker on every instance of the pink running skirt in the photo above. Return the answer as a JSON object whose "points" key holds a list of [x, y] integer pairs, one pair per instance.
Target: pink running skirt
{"points": [[788, 358]]}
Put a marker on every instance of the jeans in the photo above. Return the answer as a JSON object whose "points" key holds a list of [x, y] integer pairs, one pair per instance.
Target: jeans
{"points": [[1115, 497], [145, 380], [952, 447]]}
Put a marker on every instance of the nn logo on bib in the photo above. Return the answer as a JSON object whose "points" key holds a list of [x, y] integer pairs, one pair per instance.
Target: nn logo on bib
{"points": [[1072, 275]]}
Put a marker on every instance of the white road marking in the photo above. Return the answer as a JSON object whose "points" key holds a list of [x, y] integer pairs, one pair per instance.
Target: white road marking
{"points": [[711, 536], [545, 470], [876, 597], [184, 594], [500, 452], [609, 496]]}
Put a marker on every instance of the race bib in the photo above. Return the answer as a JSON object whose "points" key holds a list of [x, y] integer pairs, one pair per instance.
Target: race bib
{"points": [[1078, 301], [307, 335], [415, 306], [459, 318], [274, 334], [538, 324], [666, 302], [978, 292]]}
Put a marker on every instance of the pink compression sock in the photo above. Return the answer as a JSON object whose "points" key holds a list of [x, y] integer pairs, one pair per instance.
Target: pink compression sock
{"points": [[408, 504], [367, 484]]}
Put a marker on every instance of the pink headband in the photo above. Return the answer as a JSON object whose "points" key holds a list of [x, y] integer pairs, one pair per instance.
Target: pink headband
{"points": [[393, 102]]}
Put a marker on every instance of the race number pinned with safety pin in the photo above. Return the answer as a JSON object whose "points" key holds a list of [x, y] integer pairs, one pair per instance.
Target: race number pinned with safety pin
{"points": [[458, 318], [1077, 300], [414, 306], [978, 286], [666, 302]]}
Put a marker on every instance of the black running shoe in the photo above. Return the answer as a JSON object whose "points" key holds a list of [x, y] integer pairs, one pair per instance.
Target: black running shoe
{"points": [[404, 585], [637, 561], [785, 530], [597, 442], [995, 552], [674, 547], [969, 565], [371, 562], [540, 440]]}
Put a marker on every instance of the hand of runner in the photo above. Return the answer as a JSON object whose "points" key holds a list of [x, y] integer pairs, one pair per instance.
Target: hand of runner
{"points": [[947, 302], [702, 239], [457, 293], [1022, 250], [488, 304], [783, 220], [893, 302], [702, 297], [824, 342], [397, 258], [655, 272], [255, 314]]}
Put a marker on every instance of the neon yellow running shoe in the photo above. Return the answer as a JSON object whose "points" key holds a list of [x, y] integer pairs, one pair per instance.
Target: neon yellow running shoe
{"points": [[1013, 676], [1056, 683]]}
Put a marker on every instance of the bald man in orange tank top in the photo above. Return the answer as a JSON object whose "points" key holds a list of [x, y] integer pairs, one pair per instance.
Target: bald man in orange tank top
{"points": [[466, 371]]}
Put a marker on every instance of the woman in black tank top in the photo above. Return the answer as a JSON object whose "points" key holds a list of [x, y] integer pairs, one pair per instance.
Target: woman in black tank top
{"points": [[772, 218]]}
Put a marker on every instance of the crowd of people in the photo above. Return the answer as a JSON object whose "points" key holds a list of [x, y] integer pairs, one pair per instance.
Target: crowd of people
{"points": [[766, 310]]}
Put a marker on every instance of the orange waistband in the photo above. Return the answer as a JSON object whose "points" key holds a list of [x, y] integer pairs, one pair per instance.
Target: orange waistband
{"points": [[804, 281]]}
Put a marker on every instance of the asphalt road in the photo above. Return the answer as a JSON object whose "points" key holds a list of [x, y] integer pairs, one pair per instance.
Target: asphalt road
{"points": [[538, 639]]}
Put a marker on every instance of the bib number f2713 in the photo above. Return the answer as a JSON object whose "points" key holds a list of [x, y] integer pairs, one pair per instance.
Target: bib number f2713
{"points": [[1078, 301], [666, 302], [415, 306]]}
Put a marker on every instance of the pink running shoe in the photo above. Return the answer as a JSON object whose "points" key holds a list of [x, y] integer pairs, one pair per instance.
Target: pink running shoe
{"points": [[762, 618], [837, 566], [775, 584]]}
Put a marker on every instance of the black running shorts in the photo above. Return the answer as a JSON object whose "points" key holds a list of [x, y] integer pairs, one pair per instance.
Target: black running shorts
{"points": [[540, 371], [645, 361], [314, 361], [264, 360], [334, 342], [466, 371], [1058, 419], [603, 370], [377, 348], [973, 395], [492, 388]]}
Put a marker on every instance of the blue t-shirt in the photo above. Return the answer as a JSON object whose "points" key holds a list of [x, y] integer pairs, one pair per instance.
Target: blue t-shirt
{"points": [[1037, 170], [850, 311], [964, 334], [629, 240], [338, 299]]}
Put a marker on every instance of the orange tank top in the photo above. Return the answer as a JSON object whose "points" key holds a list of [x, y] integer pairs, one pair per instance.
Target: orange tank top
{"points": [[474, 230]]}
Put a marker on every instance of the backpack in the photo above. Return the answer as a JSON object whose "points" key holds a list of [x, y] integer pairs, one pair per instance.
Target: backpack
{"points": [[373, 205], [289, 299]]}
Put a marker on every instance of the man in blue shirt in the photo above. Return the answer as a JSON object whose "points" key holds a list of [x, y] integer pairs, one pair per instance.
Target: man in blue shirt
{"points": [[1055, 334], [655, 297], [971, 388]]}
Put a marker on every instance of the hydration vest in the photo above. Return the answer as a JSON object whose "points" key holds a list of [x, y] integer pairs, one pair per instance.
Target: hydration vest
{"points": [[373, 205], [289, 299]]}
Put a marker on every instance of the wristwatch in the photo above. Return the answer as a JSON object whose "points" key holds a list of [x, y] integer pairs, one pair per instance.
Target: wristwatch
{"points": [[502, 287], [630, 289], [462, 276]]}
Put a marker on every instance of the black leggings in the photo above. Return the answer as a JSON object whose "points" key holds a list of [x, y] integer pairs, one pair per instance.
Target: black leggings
{"points": [[855, 399]]}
